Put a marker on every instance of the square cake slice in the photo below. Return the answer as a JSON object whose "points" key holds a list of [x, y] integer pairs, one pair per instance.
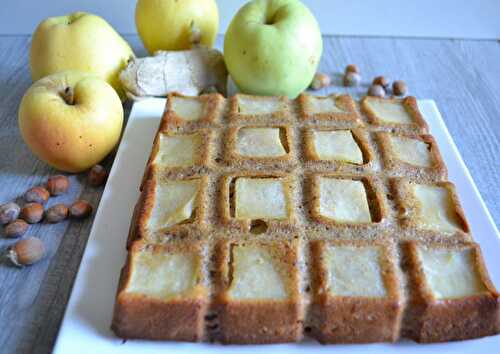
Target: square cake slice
{"points": [[343, 147], [174, 151], [452, 297], [412, 155], [162, 293], [258, 298], [432, 210], [346, 200], [260, 147], [400, 114], [168, 206], [257, 200], [356, 292], [191, 111], [260, 198], [247, 108], [334, 110]]}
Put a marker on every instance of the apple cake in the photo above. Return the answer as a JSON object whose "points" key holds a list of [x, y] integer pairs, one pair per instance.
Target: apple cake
{"points": [[267, 220]]}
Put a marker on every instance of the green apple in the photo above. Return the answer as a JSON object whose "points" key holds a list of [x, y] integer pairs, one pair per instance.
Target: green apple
{"points": [[71, 119], [273, 47], [79, 41]]}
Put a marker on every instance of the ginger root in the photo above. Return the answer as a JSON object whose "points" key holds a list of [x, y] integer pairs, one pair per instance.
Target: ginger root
{"points": [[188, 72]]}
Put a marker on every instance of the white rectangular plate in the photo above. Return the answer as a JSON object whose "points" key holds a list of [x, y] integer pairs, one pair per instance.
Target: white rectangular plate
{"points": [[86, 325]]}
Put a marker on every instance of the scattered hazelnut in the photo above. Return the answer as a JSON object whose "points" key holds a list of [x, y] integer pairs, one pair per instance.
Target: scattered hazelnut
{"points": [[97, 175], [56, 213], [32, 212], [26, 252], [36, 195], [9, 212], [80, 209], [351, 68], [16, 229], [382, 81], [320, 81], [376, 91], [399, 88], [352, 79], [57, 185]]}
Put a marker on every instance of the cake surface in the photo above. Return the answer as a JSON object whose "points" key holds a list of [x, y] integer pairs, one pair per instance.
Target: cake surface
{"points": [[269, 220]]}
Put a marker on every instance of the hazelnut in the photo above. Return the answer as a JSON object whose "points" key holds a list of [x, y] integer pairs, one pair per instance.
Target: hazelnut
{"points": [[37, 195], [97, 175], [56, 213], [57, 185], [32, 212], [376, 91], [399, 88], [382, 81], [351, 68], [9, 212], [352, 79], [320, 81], [27, 251], [15, 229], [80, 209]]}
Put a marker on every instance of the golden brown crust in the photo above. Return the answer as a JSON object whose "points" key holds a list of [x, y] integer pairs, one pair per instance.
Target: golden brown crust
{"points": [[208, 313], [418, 126], [258, 321], [436, 172], [431, 320], [349, 118], [356, 319], [138, 315], [212, 110]]}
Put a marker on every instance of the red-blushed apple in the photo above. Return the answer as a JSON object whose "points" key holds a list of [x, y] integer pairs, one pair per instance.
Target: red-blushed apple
{"points": [[71, 119], [273, 47]]}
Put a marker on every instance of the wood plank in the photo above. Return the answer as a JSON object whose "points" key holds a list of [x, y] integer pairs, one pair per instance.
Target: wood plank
{"points": [[462, 76]]}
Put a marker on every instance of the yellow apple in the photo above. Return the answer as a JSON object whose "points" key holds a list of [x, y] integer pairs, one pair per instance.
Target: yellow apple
{"points": [[167, 24], [71, 119], [79, 41]]}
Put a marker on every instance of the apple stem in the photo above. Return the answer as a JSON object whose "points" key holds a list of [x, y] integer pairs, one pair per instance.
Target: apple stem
{"points": [[195, 34], [68, 95]]}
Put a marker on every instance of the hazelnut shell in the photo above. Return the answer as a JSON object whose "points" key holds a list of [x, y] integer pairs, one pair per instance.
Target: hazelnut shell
{"points": [[32, 213], [97, 175], [376, 91], [80, 209], [352, 68], [56, 213], [57, 185], [16, 229], [26, 252], [9, 212], [36, 195]]}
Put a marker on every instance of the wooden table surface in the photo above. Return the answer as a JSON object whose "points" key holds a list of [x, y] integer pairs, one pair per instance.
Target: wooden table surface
{"points": [[463, 77]]}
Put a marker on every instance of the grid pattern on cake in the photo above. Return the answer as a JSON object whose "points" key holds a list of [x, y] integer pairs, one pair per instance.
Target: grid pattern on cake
{"points": [[306, 218]]}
